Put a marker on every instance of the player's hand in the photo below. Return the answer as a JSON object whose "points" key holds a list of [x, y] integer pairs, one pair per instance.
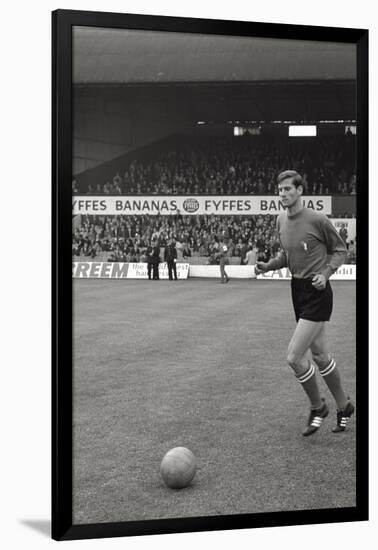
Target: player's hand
{"points": [[319, 282], [261, 267]]}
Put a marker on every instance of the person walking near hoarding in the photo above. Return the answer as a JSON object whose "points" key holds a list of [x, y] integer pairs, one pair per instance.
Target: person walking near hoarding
{"points": [[223, 261], [155, 260], [150, 261], [170, 256]]}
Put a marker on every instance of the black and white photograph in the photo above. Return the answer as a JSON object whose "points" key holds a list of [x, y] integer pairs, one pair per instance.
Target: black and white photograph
{"points": [[215, 242]]}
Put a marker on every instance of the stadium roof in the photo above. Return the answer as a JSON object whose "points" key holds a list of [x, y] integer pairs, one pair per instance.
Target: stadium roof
{"points": [[120, 56]]}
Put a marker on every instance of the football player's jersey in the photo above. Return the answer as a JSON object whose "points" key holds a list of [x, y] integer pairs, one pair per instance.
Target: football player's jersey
{"points": [[310, 243]]}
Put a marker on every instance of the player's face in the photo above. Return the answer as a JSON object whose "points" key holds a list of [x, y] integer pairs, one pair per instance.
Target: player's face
{"points": [[289, 193]]}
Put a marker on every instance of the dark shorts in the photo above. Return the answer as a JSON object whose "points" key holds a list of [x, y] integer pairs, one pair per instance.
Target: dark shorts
{"points": [[309, 303]]}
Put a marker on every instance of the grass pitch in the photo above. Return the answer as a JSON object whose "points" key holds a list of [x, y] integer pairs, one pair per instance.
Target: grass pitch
{"points": [[160, 364]]}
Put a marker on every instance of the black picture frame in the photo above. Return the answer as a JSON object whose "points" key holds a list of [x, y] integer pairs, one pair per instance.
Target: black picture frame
{"points": [[62, 522]]}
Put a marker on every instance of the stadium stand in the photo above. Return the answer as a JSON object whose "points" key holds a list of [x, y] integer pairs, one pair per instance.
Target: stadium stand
{"points": [[125, 238], [217, 166], [246, 165]]}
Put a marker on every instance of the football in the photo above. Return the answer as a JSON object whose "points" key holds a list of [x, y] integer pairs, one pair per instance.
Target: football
{"points": [[178, 467]]}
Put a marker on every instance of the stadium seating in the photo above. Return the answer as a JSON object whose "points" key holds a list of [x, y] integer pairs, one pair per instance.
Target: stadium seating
{"points": [[217, 166], [236, 166], [100, 237]]}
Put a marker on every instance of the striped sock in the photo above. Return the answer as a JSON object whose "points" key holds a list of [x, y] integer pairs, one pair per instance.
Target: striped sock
{"points": [[325, 371], [306, 375], [331, 376], [310, 386]]}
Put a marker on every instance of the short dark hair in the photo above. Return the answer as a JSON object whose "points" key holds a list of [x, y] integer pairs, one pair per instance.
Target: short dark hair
{"points": [[296, 178]]}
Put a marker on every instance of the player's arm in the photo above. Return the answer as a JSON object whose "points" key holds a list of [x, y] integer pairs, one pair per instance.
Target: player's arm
{"points": [[336, 248], [336, 252], [275, 263]]}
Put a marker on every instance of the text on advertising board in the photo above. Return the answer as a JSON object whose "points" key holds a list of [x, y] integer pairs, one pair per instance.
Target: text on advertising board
{"points": [[120, 270], [200, 205]]}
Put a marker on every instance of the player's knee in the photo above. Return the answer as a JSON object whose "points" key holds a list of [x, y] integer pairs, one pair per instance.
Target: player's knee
{"points": [[321, 359], [293, 360]]}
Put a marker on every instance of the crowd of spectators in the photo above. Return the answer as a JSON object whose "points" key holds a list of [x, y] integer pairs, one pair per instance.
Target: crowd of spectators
{"points": [[126, 238], [239, 166]]}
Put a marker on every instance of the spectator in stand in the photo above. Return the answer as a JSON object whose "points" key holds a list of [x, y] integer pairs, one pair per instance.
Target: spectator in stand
{"points": [[230, 244], [117, 181], [202, 251], [344, 234], [76, 248], [199, 233], [244, 250], [239, 247], [112, 257], [117, 255], [353, 185], [250, 257], [352, 252], [186, 253], [90, 250], [214, 251], [238, 167]]}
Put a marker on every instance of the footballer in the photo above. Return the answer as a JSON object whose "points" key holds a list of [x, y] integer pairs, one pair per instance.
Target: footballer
{"points": [[312, 250]]}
